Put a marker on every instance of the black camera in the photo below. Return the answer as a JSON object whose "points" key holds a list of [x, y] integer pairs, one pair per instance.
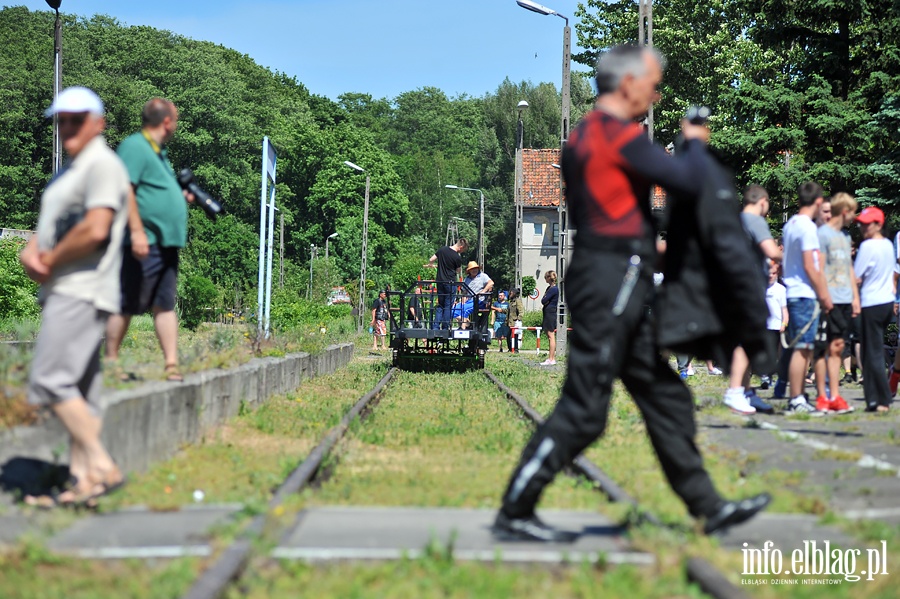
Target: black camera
{"points": [[697, 115], [188, 182]]}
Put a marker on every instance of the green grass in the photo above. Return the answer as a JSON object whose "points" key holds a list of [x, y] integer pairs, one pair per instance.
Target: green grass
{"points": [[210, 346], [429, 433], [244, 460], [31, 572], [440, 577], [434, 440]]}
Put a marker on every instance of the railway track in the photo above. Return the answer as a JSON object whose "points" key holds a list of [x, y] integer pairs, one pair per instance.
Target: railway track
{"points": [[267, 527]]}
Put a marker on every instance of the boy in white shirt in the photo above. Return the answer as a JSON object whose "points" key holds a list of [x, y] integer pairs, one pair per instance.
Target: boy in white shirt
{"points": [[776, 300]]}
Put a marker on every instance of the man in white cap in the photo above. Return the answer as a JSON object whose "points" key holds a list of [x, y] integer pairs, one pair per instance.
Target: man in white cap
{"points": [[76, 255]]}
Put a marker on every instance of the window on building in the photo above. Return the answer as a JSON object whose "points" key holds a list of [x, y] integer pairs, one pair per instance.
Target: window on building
{"points": [[538, 229], [555, 233]]}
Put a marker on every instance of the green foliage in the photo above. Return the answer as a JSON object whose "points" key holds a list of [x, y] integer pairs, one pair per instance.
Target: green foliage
{"points": [[18, 293], [290, 310], [528, 285], [197, 300], [799, 90]]}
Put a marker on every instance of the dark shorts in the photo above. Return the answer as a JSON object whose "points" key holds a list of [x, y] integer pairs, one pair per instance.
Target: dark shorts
{"points": [[549, 324], [151, 282], [833, 326]]}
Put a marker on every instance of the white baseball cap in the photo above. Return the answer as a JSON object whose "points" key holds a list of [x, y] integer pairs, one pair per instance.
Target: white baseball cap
{"points": [[76, 99]]}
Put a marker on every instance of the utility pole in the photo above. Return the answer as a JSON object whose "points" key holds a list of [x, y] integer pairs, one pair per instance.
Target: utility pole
{"points": [[645, 37], [281, 254], [517, 192], [563, 247]]}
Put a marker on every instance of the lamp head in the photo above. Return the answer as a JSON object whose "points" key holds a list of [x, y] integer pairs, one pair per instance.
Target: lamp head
{"points": [[535, 7], [54, 4], [451, 186], [354, 166], [522, 105], [332, 236]]}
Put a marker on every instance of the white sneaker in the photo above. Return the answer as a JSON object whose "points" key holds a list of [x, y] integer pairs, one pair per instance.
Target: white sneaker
{"points": [[548, 362], [799, 405], [737, 401], [716, 371]]}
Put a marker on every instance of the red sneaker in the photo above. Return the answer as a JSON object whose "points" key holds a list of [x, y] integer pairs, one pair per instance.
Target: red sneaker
{"points": [[893, 381], [839, 406], [822, 404]]}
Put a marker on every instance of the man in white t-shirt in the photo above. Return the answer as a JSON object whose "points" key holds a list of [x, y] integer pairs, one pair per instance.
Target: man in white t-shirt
{"points": [[807, 291], [76, 255]]}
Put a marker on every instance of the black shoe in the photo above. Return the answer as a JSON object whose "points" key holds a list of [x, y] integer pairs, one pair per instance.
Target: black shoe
{"points": [[528, 529], [735, 512]]}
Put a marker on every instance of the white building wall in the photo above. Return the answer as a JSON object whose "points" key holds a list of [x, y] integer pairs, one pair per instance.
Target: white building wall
{"points": [[539, 248]]}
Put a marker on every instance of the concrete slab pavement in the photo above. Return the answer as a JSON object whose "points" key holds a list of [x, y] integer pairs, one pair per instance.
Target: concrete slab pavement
{"points": [[384, 533], [137, 533]]}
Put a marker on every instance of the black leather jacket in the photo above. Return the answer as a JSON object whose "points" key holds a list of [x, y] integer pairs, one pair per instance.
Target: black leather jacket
{"points": [[713, 296]]}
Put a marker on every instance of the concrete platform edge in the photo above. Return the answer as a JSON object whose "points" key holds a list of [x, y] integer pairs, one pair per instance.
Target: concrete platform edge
{"points": [[152, 422]]}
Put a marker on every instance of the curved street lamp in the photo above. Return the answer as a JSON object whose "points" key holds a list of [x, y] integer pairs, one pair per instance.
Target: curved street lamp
{"points": [[562, 247], [480, 221], [57, 82], [327, 239], [365, 246]]}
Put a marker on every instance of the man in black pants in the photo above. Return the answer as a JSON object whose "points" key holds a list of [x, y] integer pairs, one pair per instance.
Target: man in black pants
{"points": [[609, 165], [449, 262]]}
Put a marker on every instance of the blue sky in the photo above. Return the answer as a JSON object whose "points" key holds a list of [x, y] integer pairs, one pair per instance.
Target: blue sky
{"points": [[381, 47]]}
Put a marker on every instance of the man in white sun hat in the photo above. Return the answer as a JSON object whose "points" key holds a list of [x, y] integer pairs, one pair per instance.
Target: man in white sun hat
{"points": [[75, 255]]}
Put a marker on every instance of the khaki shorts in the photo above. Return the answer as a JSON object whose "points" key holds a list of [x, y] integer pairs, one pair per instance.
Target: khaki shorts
{"points": [[66, 361]]}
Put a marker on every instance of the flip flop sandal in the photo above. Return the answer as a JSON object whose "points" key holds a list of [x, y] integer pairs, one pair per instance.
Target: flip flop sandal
{"points": [[173, 375], [90, 500], [51, 500]]}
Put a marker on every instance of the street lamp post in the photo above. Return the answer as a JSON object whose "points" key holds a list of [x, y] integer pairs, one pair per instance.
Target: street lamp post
{"points": [[327, 239], [365, 247], [312, 257], [57, 82], [563, 244], [645, 37], [480, 221]]}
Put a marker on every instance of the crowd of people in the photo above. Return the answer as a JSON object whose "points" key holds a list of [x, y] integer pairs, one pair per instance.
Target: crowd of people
{"points": [[831, 303]]}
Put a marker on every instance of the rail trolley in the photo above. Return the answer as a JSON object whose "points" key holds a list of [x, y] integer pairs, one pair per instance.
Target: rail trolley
{"points": [[428, 340]]}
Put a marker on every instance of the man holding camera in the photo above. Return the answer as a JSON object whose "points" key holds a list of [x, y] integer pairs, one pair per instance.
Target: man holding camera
{"points": [[157, 223]]}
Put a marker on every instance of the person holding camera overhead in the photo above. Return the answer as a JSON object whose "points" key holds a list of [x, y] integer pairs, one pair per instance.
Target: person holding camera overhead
{"points": [[157, 224]]}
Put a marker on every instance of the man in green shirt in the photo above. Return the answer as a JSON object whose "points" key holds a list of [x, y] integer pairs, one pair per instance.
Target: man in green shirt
{"points": [[157, 223]]}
